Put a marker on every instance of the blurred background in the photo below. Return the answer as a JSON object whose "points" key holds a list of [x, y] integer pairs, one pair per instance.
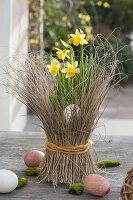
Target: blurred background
{"points": [[37, 26]]}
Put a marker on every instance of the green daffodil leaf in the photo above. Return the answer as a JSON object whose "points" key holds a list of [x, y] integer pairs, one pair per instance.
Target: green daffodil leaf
{"points": [[65, 44]]}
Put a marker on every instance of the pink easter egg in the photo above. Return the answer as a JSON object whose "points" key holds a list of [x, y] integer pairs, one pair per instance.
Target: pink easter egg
{"points": [[33, 158], [96, 185]]}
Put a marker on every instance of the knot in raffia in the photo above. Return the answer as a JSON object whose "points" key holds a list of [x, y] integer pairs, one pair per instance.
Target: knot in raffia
{"points": [[80, 149], [127, 188]]}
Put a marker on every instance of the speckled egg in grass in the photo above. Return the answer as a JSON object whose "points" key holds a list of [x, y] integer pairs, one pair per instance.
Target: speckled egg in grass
{"points": [[96, 185]]}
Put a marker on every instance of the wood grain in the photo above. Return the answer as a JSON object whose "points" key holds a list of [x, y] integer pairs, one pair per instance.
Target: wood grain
{"points": [[13, 146]]}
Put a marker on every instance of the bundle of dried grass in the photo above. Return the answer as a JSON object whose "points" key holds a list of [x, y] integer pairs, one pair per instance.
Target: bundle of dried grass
{"points": [[68, 108]]}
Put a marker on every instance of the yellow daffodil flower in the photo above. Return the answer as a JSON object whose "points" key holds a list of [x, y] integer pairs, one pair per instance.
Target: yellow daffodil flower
{"points": [[83, 22], [54, 67], [62, 54], [78, 38], [57, 44], [64, 18], [80, 15], [71, 69], [84, 18], [88, 29], [89, 37], [106, 5], [99, 3], [34, 41], [87, 18]]}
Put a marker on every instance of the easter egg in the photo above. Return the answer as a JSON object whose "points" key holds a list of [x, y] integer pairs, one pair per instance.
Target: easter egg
{"points": [[96, 185], [70, 111], [8, 181], [33, 158]]}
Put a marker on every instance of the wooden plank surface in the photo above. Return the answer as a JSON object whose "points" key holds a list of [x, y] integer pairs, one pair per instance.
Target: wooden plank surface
{"points": [[13, 145]]}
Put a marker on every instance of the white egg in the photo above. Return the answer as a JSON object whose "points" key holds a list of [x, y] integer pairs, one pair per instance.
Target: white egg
{"points": [[72, 110], [8, 181]]}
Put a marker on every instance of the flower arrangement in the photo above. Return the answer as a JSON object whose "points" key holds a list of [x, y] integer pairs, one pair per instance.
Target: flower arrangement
{"points": [[62, 17], [65, 92]]}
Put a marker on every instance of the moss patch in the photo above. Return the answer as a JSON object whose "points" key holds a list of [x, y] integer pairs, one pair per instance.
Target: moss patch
{"points": [[76, 188], [32, 171], [108, 163], [22, 182]]}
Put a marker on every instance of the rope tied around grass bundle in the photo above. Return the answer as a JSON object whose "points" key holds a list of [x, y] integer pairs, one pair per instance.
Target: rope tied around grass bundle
{"points": [[127, 188], [80, 149]]}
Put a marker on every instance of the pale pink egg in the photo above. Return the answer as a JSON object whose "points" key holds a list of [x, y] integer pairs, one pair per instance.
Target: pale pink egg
{"points": [[33, 158], [96, 185]]}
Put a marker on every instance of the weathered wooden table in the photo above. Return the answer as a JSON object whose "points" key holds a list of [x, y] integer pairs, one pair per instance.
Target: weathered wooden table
{"points": [[13, 145]]}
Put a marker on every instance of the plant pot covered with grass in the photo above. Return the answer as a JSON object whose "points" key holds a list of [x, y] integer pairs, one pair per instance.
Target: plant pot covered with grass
{"points": [[65, 92]]}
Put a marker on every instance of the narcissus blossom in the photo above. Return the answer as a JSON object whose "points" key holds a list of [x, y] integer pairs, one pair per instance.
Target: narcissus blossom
{"points": [[71, 69], [54, 67], [62, 54], [106, 5], [78, 38], [99, 3], [88, 29]]}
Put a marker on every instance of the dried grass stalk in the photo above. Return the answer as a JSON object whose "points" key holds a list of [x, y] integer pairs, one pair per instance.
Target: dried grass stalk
{"points": [[32, 83]]}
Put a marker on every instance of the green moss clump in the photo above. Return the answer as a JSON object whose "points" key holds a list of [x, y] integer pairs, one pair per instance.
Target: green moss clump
{"points": [[22, 182], [76, 188], [32, 171], [108, 163]]}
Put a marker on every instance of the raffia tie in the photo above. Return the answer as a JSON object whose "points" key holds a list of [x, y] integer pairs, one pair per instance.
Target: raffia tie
{"points": [[80, 149], [127, 188]]}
